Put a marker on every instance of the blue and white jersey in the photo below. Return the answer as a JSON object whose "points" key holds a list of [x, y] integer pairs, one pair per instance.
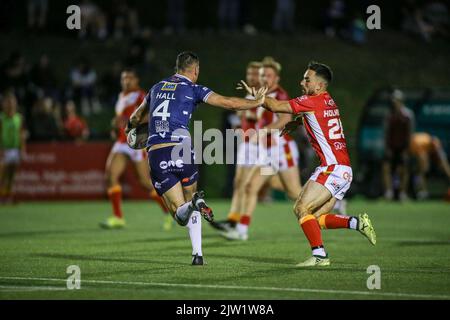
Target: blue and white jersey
{"points": [[171, 103]]}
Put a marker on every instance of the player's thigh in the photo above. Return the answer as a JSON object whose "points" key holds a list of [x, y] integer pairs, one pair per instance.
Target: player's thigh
{"points": [[242, 175], [290, 178], [238, 176], [189, 191], [255, 181], [116, 165], [314, 196], [275, 183], [325, 208], [424, 163], [174, 197]]}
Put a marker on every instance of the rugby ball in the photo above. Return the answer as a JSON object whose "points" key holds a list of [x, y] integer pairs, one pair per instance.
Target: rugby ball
{"points": [[137, 137]]}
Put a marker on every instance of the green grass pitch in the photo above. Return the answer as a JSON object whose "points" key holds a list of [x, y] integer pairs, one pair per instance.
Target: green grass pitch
{"points": [[38, 241]]}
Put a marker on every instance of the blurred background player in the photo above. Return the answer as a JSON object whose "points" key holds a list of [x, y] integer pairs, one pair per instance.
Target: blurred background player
{"points": [[399, 126], [129, 99], [246, 155], [280, 154], [426, 148], [170, 104], [332, 179], [12, 145]]}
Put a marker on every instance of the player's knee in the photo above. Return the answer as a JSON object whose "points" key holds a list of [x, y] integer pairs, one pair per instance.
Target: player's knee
{"points": [[301, 210], [250, 188], [108, 178], [172, 208], [293, 194], [237, 183]]}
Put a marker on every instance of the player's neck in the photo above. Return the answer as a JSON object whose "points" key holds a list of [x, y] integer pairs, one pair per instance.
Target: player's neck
{"points": [[125, 92], [273, 88], [319, 92], [185, 75]]}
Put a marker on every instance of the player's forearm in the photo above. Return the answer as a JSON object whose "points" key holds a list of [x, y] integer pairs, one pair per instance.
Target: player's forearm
{"points": [[138, 115], [234, 103], [269, 104], [274, 105]]}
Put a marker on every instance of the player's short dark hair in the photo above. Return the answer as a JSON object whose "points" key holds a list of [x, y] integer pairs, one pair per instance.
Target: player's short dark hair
{"points": [[322, 70], [185, 60]]}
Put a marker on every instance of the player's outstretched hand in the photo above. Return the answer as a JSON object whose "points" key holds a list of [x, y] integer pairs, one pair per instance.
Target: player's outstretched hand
{"points": [[261, 94], [242, 85]]}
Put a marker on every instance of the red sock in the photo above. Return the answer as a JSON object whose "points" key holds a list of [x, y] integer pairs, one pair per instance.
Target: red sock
{"points": [[311, 230], [245, 220], [334, 221], [159, 200], [115, 196]]}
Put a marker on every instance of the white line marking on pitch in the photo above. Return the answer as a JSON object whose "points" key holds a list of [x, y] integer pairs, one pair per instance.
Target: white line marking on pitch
{"points": [[210, 286], [29, 288]]}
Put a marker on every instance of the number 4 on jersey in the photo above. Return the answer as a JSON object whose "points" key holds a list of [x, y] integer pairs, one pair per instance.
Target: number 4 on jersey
{"points": [[336, 129], [163, 114]]}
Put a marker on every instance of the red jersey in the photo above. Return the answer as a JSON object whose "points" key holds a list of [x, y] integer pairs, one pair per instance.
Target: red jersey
{"points": [[125, 106], [324, 128], [74, 126], [248, 119], [266, 117]]}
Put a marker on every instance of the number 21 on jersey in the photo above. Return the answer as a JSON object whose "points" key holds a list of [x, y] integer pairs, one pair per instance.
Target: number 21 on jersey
{"points": [[335, 131]]}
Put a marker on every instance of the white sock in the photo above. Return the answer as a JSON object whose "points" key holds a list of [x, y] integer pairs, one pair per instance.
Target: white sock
{"points": [[195, 232], [319, 252], [183, 210], [199, 201], [353, 223], [242, 228]]}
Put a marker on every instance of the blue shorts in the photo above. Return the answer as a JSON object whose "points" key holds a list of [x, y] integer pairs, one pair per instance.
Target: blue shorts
{"points": [[166, 171]]}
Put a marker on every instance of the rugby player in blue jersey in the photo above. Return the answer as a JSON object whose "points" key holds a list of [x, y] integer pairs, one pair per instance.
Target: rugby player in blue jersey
{"points": [[169, 106]]}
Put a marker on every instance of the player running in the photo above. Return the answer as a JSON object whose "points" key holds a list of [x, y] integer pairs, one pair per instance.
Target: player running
{"points": [[333, 177], [279, 154], [12, 145], [129, 99], [169, 106], [246, 154]]}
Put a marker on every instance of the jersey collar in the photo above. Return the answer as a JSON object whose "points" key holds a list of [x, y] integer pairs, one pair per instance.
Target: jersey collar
{"points": [[181, 76]]}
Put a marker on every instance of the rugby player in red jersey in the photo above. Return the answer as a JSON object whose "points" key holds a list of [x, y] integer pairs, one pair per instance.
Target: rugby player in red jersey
{"points": [[276, 156], [333, 177], [246, 154], [129, 99]]}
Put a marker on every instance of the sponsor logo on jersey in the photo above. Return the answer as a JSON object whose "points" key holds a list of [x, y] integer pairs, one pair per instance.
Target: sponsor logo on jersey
{"points": [[169, 86], [330, 103], [171, 164], [347, 176], [336, 186], [340, 145]]}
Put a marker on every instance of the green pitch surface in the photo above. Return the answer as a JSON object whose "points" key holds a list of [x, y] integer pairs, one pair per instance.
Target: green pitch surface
{"points": [[38, 241]]}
